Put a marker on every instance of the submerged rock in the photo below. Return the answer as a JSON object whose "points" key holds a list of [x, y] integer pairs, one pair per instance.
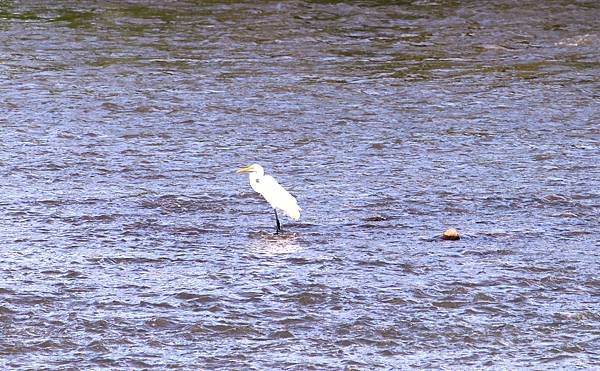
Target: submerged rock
{"points": [[450, 234]]}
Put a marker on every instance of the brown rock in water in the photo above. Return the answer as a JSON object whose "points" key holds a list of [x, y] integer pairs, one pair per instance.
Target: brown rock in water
{"points": [[451, 234]]}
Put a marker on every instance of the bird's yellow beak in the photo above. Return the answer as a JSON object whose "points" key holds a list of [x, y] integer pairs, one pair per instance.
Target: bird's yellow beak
{"points": [[246, 169]]}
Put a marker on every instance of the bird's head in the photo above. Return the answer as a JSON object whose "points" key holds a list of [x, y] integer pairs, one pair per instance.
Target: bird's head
{"points": [[254, 168]]}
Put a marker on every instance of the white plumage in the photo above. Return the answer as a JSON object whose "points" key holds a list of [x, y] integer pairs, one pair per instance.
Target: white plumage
{"points": [[273, 192]]}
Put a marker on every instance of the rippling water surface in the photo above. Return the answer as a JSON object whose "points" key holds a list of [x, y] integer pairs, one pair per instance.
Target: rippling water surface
{"points": [[128, 241]]}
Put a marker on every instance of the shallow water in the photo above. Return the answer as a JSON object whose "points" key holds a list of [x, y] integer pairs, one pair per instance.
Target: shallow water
{"points": [[129, 241]]}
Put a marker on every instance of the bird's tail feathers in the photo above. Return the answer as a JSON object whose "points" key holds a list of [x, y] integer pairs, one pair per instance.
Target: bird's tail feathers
{"points": [[295, 214]]}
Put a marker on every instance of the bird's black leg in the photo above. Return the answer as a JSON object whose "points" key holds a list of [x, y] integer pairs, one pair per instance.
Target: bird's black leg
{"points": [[278, 224]]}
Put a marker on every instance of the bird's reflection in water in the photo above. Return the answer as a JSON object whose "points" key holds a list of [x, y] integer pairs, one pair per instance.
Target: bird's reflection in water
{"points": [[266, 243]]}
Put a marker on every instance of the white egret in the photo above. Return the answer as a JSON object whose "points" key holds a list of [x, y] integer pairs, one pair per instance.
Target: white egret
{"points": [[273, 192]]}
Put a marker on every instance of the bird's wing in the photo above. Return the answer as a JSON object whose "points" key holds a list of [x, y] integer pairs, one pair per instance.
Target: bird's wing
{"points": [[278, 197]]}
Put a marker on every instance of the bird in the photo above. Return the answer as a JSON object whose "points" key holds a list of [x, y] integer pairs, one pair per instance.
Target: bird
{"points": [[272, 192]]}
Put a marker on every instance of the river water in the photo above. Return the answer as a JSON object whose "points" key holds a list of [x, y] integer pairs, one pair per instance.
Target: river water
{"points": [[128, 240]]}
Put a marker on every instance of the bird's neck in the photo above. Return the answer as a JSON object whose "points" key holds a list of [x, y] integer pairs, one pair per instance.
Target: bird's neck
{"points": [[255, 180], [254, 177]]}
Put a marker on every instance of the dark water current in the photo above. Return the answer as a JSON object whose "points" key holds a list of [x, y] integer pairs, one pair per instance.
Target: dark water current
{"points": [[128, 241]]}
